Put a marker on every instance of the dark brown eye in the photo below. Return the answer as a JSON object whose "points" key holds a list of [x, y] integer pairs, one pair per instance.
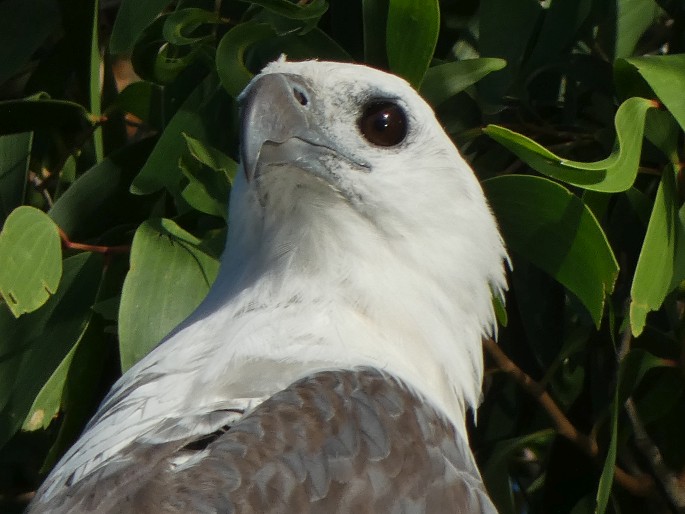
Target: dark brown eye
{"points": [[383, 123]]}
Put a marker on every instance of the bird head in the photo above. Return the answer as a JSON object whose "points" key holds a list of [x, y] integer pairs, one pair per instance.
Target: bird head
{"points": [[350, 183]]}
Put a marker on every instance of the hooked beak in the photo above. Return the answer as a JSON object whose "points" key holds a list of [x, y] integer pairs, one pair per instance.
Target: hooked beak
{"points": [[279, 127]]}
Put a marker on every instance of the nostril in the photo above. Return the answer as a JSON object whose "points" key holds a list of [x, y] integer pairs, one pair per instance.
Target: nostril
{"points": [[300, 97]]}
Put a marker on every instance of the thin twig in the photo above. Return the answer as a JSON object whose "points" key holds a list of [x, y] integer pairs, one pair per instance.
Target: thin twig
{"points": [[105, 250], [642, 485]]}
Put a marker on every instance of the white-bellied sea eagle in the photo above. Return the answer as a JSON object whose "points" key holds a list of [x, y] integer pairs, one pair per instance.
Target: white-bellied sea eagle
{"points": [[332, 363]]}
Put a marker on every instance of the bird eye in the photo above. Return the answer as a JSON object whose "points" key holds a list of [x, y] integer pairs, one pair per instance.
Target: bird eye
{"points": [[383, 123]]}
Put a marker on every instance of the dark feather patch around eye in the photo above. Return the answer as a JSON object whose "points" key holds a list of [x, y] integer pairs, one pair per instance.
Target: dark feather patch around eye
{"points": [[383, 123]]}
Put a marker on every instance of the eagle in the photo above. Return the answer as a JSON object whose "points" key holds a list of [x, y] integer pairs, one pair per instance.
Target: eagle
{"points": [[333, 362]]}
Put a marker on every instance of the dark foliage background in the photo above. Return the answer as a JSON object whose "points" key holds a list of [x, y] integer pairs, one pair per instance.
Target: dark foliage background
{"points": [[117, 149]]}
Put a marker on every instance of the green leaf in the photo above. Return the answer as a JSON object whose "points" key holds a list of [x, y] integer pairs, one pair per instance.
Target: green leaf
{"points": [[94, 80], [613, 174], [375, 15], [446, 80], [409, 57], [100, 198], [132, 18], [212, 157], [633, 368], [518, 19], [18, 42], [161, 168], [496, 470], [633, 17], [294, 11], [550, 227], [665, 74], [33, 346], [230, 54], [36, 113], [170, 275], [607, 478], [46, 405], [207, 189], [142, 99], [181, 23], [15, 151], [655, 267], [31, 256]]}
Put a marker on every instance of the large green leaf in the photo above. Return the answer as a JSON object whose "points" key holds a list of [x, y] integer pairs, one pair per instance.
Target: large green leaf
{"points": [[655, 267], [33, 346], [15, 151], [409, 57], [31, 257], [665, 74], [613, 174], [132, 18], [546, 224], [170, 274], [446, 80]]}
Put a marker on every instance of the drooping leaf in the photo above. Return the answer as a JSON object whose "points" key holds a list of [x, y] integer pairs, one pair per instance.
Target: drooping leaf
{"points": [[613, 174], [446, 80], [409, 57], [170, 274], [655, 267], [32, 260], [550, 227]]}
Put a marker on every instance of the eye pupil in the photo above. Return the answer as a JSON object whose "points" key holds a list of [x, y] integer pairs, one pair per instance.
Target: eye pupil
{"points": [[383, 123]]}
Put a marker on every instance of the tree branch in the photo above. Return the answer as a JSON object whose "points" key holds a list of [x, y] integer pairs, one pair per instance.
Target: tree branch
{"points": [[641, 485]]}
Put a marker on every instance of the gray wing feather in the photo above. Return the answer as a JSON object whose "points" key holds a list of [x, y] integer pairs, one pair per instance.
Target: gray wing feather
{"points": [[347, 441]]}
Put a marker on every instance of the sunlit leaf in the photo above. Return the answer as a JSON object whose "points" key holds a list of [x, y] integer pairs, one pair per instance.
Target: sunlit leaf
{"points": [[655, 267], [32, 260], [613, 174], [170, 274], [550, 227]]}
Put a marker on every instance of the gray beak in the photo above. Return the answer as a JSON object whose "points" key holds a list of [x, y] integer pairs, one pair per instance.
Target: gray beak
{"points": [[278, 108]]}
